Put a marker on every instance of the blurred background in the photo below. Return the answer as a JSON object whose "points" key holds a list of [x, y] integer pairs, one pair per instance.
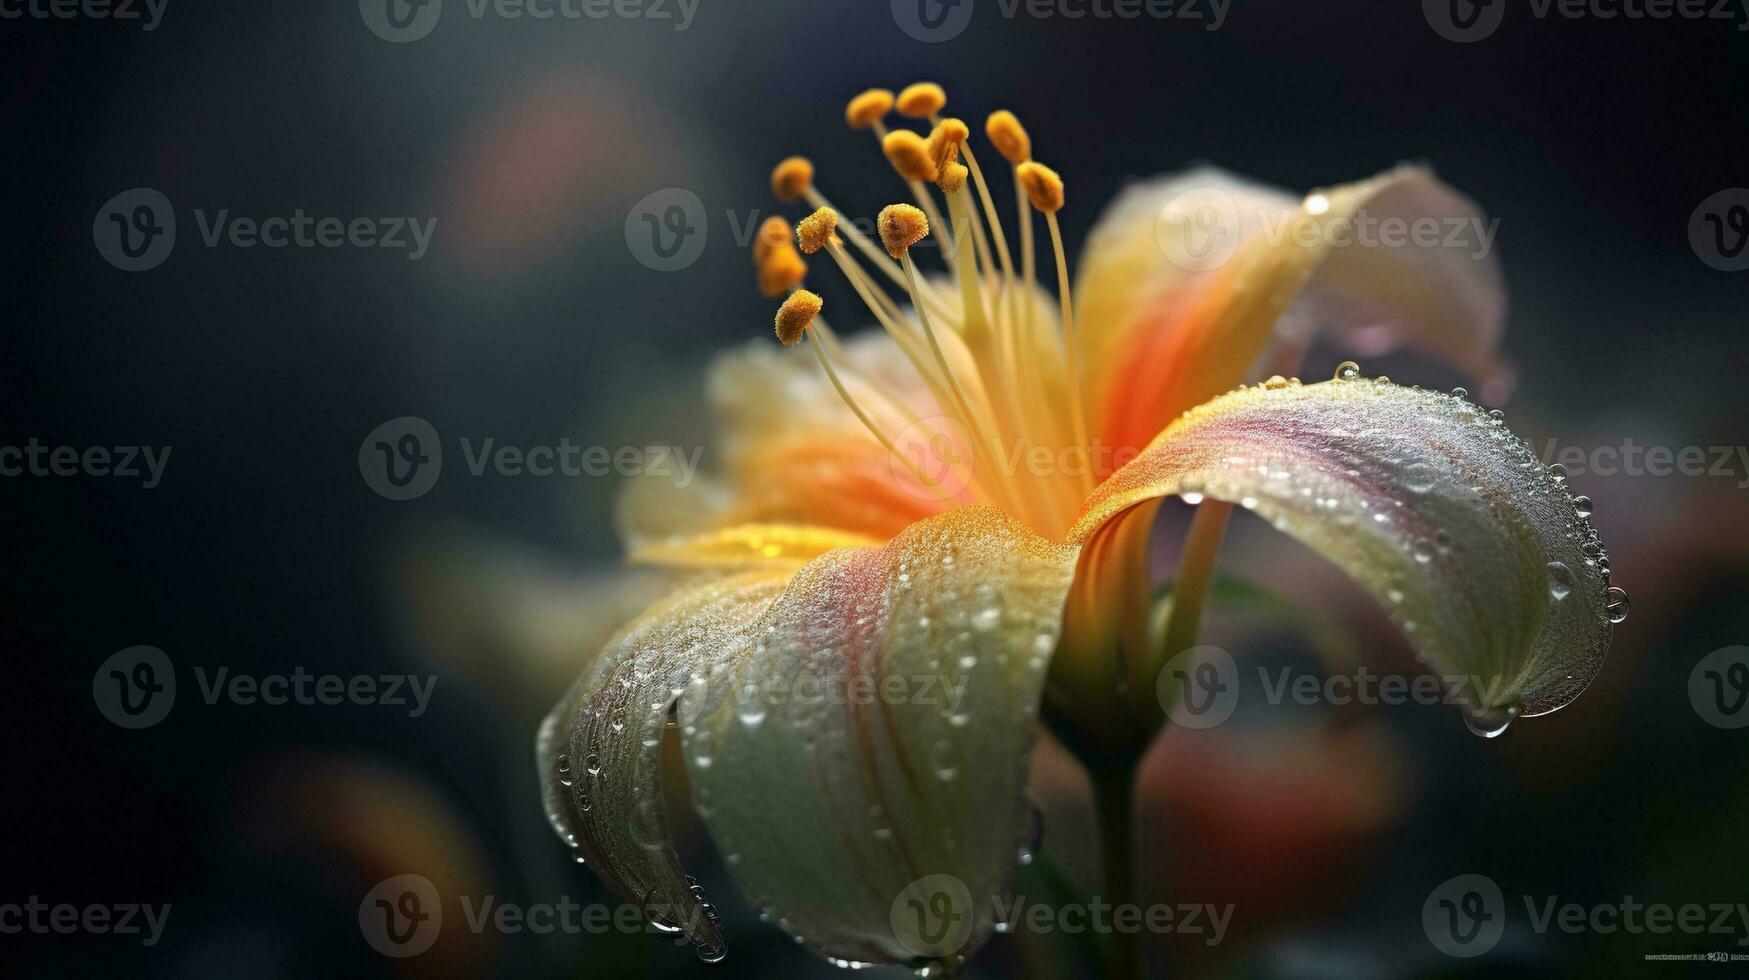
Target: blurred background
{"points": [[530, 315]]}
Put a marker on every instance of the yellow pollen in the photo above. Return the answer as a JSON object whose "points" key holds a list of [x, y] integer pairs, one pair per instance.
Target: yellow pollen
{"points": [[773, 234], [953, 177], [782, 271], [868, 108], [1009, 136], [816, 231], [1043, 187], [909, 155], [794, 316], [901, 226], [944, 141], [922, 100], [791, 178]]}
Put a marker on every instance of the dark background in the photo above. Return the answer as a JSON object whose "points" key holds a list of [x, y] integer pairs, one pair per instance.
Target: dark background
{"points": [[1592, 140]]}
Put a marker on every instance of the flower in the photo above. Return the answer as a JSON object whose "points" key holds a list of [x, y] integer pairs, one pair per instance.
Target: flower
{"points": [[963, 499]]}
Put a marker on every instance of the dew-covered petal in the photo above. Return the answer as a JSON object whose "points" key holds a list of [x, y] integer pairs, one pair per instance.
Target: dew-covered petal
{"points": [[1187, 280], [599, 751], [878, 733], [1449, 520]]}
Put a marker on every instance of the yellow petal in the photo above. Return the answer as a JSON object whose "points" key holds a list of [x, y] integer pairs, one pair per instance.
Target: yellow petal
{"points": [[1451, 522]]}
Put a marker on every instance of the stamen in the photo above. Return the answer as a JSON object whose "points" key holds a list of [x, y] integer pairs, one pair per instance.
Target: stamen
{"points": [[953, 177], [817, 230], [868, 108], [773, 233], [794, 316], [909, 155], [783, 270], [1009, 136], [1045, 189], [922, 100], [791, 178], [901, 226]]}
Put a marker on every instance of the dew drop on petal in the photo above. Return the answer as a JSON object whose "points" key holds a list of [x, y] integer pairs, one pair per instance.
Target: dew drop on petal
{"points": [[1560, 580], [1616, 604], [1491, 722], [1582, 504], [1346, 371]]}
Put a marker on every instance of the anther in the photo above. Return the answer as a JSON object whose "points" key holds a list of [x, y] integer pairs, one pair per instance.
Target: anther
{"points": [[1043, 187], [795, 315], [868, 108], [817, 230], [922, 100], [791, 178], [901, 226], [1008, 136], [783, 270], [774, 233], [909, 155]]}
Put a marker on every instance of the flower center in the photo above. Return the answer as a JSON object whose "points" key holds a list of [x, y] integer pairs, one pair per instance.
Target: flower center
{"points": [[996, 354]]}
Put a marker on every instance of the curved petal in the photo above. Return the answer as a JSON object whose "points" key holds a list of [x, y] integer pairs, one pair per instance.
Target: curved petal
{"points": [[1186, 281], [877, 737], [599, 751], [1450, 521]]}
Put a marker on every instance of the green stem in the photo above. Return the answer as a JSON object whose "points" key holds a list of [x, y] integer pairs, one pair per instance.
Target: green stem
{"points": [[1196, 573], [1115, 800]]}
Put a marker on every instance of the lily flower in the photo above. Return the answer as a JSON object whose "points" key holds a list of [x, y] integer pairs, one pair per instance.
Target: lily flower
{"points": [[928, 539]]}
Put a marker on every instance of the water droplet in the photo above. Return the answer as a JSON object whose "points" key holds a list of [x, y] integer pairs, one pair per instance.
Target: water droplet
{"points": [[564, 770], [752, 710], [1191, 498], [1275, 383], [985, 620], [1558, 471], [1491, 722], [1560, 580], [1582, 504], [1346, 371], [942, 760], [1616, 604], [1460, 392]]}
